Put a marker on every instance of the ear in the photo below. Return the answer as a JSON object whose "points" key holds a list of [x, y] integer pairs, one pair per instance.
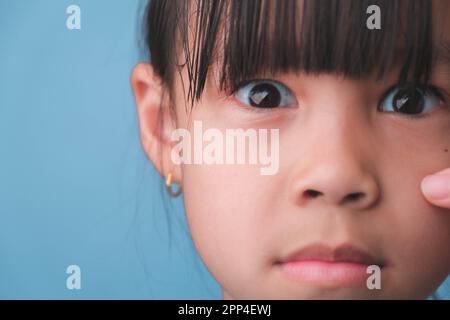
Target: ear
{"points": [[155, 120]]}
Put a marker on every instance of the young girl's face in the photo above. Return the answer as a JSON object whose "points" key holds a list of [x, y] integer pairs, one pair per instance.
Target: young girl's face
{"points": [[346, 194]]}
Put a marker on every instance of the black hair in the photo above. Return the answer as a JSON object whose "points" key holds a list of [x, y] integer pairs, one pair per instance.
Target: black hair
{"points": [[268, 36]]}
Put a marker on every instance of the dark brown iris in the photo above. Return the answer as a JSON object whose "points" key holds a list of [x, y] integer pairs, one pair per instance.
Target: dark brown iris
{"points": [[409, 101], [265, 95]]}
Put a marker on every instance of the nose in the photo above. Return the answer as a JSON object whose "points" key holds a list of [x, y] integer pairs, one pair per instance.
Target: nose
{"points": [[335, 185], [334, 164], [337, 174]]}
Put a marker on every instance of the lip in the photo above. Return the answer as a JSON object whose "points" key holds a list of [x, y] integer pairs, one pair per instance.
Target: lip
{"points": [[328, 266]]}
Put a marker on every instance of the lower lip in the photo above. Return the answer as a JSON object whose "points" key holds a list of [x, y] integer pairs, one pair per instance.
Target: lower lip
{"points": [[325, 273]]}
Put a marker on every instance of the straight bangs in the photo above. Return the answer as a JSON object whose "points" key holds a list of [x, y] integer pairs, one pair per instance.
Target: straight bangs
{"points": [[244, 39]]}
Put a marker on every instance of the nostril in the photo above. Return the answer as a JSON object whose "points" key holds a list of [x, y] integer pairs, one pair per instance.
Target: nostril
{"points": [[312, 193], [354, 196]]}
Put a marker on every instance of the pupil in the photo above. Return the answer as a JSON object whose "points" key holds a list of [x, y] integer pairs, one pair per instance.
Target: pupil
{"points": [[409, 101], [265, 96]]}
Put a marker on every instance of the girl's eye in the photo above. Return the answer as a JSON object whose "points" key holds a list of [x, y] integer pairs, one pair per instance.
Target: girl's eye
{"points": [[265, 94], [411, 99]]}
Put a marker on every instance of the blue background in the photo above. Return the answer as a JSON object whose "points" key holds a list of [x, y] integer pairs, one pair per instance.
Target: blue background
{"points": [[75, 186]]}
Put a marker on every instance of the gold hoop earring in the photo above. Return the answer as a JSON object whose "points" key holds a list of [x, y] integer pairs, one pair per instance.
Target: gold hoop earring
{"points": [[172, 193]]}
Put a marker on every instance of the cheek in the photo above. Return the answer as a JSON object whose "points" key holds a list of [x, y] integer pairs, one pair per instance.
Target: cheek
{"points": [[416, 221], [422, 234], [225, 206], [421, 246], [415, 232]]}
